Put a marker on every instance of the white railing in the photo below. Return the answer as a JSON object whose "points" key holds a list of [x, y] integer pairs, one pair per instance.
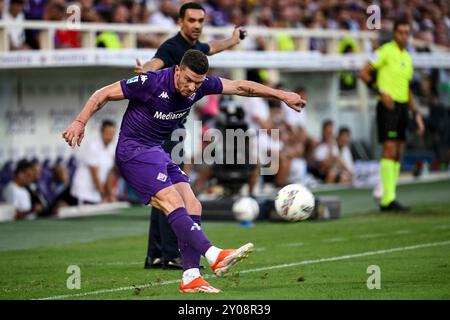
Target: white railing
{"points": [[129, 33]]}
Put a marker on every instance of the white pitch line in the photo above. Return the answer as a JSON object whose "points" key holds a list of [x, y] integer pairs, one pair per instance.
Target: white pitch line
{"points": [[293, 244], [259, 249], [403, 232], [337, 239], [280, 266], [442, 227], [370, 235]]}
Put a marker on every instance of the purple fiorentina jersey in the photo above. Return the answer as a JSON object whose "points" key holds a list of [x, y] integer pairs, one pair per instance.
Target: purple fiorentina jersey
{"points": [[155, 109]]}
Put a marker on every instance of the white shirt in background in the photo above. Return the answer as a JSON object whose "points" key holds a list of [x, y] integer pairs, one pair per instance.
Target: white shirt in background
{"points": [[17, 196], [92, 154], [294, 118], [322, 151], [260, 142], [159, 19], [347, 158], [255, 107], [16, 34]]}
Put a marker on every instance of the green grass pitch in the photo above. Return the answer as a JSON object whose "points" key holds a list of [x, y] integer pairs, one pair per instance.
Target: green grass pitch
{"points": [[306, 260]]}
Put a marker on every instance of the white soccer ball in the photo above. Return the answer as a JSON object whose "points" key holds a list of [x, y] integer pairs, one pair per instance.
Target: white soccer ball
{"points": [[294, 203], [245, 209]]}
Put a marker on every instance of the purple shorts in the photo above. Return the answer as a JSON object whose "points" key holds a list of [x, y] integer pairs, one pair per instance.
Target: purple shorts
{"points": [[148, 170]]}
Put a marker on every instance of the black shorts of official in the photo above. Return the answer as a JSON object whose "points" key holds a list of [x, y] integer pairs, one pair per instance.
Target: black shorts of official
{"points": [[392, 123]]}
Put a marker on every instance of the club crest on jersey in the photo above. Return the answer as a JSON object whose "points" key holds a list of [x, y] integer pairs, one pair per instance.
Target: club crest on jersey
{"points": [[143, 78], [163, 95], [161, 177], [192, 96]]}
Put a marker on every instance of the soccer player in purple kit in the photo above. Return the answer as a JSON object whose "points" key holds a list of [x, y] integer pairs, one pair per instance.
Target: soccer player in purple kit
{"points": [[157, 101]]}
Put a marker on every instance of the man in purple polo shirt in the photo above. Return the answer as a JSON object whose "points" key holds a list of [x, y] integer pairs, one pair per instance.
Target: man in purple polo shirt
{"points": [[157, 101]]}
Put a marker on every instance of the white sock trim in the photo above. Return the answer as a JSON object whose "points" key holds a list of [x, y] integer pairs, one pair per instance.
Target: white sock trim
{"points": [[211, 254], [190, 274]]}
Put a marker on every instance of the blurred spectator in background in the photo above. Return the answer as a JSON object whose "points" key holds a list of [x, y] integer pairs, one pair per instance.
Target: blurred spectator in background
{"points": [[111, 39], [165, 16], [219, 12], [34, 9], [343, 142], [95, 165], [328, 163], [2, 7], [297, 120], [15, 14], [290, 147], [60, 188], [347, 78], [34, 188], [257, 113], [61, 179], [55, 10], [297, 123], [104, 5], [16, 193], [88, 11], [273, 144], [314, 15]]}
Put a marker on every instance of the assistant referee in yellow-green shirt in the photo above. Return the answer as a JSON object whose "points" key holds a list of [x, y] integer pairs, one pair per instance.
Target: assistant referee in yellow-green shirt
{"points": [[394, 72]]}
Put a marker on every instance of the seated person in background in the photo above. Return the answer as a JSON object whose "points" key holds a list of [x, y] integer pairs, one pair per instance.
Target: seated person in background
{"points": [[257, 115], [15, 15], [60, 188], [343, 143], [280, 147], [95, 165], [38, 199], [328, 163], [16, 193]]}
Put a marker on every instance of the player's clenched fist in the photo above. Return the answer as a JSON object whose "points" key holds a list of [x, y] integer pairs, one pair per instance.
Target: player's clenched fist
{"points": [[294, 101], [74, 133]]}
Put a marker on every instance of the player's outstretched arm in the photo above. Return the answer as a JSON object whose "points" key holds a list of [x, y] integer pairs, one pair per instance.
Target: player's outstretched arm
{"points": [[75, 132], [253, 89]]}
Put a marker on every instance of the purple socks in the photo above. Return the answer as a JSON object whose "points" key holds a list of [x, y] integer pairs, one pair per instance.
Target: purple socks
{"points": [[191, 257], [192, 242]]}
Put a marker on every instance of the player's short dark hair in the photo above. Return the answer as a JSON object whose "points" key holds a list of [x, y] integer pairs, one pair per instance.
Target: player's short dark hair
{"points": [[400, 22], [343, 130], [189, 5], [22, 166], [107, 123], [196, 61]]}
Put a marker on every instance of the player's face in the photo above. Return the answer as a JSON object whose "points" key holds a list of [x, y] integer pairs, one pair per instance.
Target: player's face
{"points": [[187, 81], [192, 23], [401, 35]]}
